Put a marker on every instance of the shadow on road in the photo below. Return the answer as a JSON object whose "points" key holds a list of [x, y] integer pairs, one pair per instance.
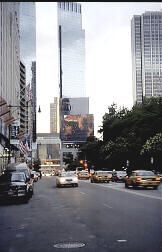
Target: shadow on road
{"points": [[7, 202]]}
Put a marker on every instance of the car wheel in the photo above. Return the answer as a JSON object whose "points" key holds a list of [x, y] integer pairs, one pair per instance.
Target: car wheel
{"points": [[76, 185], [31, 194], [26, 198], [155, 187], [91, 181], [126, 185]]}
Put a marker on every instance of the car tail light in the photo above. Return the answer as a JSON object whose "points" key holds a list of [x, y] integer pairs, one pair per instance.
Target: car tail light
{"points": [[158, 178], [138, 179]]}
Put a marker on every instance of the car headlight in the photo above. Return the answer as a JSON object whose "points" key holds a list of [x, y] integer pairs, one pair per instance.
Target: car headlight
{"points": [[62, 180], [75, 179]]}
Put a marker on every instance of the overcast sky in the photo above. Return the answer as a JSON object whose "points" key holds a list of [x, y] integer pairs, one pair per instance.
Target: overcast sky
{"points": [[108, 56]]}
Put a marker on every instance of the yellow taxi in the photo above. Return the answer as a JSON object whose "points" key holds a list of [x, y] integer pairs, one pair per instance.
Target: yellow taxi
{"points": [[142, 178], [84, 174], [101, 176]]}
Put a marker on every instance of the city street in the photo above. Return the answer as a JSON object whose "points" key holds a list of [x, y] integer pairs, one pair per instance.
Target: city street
{"points": [[93, 217]]}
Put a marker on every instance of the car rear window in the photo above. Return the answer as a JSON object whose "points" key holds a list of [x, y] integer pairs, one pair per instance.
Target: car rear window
{"points": [[145, 173], [18, 177]]}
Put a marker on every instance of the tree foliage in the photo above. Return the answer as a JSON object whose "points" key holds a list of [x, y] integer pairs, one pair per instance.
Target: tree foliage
{"points": [[127, 134]]}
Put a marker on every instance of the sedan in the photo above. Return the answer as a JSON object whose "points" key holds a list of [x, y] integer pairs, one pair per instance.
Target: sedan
{"points": [[142, 178], [66, 179], [119, 176], [101, 176], [83, 175]]}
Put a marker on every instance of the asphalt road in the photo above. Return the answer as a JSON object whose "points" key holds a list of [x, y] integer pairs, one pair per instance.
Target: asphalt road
{"points": [[93, 217]]}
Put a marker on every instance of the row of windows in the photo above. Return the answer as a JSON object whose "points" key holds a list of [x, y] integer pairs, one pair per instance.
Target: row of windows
{"points": [[70, 6]]}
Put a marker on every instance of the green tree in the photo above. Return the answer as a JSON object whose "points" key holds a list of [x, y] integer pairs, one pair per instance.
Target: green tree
{"points": [[135, 126], [152, 148]]}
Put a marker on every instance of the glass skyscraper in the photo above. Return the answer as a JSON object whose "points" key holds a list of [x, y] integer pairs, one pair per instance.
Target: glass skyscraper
{"points": [[28, 36], [147, 55], [75, 122], [71, 50]]}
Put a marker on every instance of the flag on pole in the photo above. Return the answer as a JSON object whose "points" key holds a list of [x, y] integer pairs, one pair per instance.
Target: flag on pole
{"points": [[23, 146]]}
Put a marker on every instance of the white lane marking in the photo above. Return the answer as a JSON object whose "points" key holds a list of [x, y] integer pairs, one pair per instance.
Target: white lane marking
{"points": [[106, 205], [136, 193], [129, 191], [82, 192], [121, 240]]}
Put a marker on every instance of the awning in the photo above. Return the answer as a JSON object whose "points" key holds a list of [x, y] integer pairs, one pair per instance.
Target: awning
{"points": [[9, 120], [14, 147]]}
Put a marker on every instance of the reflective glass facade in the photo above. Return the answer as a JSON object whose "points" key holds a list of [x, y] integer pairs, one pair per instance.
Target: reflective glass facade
{"points": [[28, 36], [75, 106], [71, 49], [147, 55]]}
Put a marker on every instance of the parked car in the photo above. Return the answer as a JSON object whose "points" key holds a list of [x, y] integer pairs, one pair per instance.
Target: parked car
{"points": [[118, 176], [83, 174], [142, 178], [15, 184], [66, 179], [21, 167], [101, 176], [34, 176], [79, 169]]}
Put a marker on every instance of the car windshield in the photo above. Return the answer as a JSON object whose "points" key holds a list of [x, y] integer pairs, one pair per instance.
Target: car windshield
{"points": [[67, 174], [121, 172], [145, 173], [17, 177], [102, 173], [79, 169]]}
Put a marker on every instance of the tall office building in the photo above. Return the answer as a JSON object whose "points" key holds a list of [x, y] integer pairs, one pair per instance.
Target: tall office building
{"points": [[71, 50], [34, 100], [9, 74], [147, 55], [28, 58], [54, 116], [75, 122], [28, 36], [9, 53]]}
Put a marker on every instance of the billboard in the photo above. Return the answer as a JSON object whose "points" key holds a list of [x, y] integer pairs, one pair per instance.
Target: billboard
{"points": [[77, 127]]}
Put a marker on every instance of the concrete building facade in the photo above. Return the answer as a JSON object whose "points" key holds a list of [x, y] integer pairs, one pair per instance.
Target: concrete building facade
{"points": [[54, 116], [9, 73]]}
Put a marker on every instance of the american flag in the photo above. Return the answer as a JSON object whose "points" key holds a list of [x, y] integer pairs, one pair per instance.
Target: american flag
{"points": [[23, 146]]}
